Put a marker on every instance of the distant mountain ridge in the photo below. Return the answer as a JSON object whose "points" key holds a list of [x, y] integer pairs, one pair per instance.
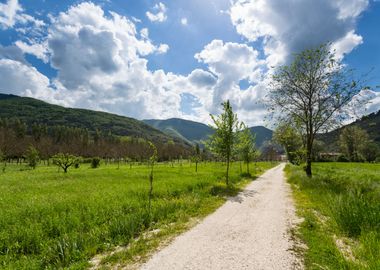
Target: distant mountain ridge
{"points": [[195, 132], [34, 111]]}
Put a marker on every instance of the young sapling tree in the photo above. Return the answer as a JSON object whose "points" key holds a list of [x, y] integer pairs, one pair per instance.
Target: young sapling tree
{"points": [[32, 157], [152, 161], [222, 141], [246, 145]]}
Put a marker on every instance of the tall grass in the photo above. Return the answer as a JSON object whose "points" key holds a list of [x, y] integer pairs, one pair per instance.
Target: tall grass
{"points": [[343, 200], [53, 220]]}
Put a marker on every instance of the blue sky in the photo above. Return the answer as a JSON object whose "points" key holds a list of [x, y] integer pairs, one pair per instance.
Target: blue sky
{"points": [[162, 59]]}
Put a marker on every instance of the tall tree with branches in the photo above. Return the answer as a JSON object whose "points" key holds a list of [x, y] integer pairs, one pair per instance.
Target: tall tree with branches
{"points": [[223, 139], [313, 91]]}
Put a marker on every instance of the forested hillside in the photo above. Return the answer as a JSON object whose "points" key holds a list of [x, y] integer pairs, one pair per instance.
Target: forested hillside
{"points": [[27, 123], [370, 123], [33, 111]]}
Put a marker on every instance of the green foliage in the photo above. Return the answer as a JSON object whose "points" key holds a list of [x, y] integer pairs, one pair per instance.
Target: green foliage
{"points": [[246, 146], [222, 141], [352, 142], [65, 161], [290, 139], [32, 157], [47, 223], [342, 201], [371, 151], [95, 162]]}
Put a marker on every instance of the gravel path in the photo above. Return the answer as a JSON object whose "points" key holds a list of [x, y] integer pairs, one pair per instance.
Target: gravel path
{"points": [[250, 231]]}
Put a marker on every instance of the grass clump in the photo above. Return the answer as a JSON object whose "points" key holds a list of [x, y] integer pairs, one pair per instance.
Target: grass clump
{"points": [[341, 202]]}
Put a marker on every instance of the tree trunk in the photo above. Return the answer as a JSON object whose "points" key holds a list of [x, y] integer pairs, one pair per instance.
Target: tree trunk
{"points": [[150, 189], [308, 158], [228, 168]]}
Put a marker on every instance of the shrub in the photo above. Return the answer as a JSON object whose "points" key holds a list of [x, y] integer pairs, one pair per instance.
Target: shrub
{"points": [[95, 162], [32, 157], [342, 158]]}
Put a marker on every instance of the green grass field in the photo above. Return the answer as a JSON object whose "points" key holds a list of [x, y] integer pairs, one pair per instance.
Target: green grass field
{"points": [[53, 220], [341, 210]]}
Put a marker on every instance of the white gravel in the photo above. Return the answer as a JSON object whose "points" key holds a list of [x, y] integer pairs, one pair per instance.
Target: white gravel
{"points": [[250, 231]]}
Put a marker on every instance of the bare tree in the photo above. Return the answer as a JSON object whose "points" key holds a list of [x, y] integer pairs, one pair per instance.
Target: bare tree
{"points": [[313, 92]]}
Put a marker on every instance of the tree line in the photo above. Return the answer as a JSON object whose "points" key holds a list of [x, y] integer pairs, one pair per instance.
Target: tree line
{"points": [[16, 138]]}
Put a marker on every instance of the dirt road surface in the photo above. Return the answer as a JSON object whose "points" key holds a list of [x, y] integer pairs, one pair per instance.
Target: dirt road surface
{"points": [[250, 231]]}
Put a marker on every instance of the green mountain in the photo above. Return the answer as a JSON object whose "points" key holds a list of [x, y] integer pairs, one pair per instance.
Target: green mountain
{"points": [[263, 134], [370, 123], [194, 132], [33, 111]]}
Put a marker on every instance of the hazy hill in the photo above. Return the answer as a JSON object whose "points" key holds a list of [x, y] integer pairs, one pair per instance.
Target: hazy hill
{"points": [[195, 132], [190, 131], [262, 134], [370, 123], [31, 111]]}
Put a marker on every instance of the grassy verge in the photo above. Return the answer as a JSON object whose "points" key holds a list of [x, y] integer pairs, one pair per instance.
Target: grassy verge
{"points": [[341, 210], [55, 220]]}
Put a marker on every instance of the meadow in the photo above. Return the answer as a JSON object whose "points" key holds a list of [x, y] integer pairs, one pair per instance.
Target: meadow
{"points": [[52, 220], [340, 207]]}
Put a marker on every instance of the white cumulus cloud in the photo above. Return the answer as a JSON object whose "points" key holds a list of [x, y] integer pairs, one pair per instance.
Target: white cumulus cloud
{"points": [[11, 13], [158, 14]]}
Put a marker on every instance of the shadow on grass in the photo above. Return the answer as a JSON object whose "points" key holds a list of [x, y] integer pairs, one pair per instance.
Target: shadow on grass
{"points": [[224, 191]]}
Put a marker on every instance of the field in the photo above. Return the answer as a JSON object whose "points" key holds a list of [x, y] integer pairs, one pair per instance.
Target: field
{"points": [[51, 220], [341, 210]]}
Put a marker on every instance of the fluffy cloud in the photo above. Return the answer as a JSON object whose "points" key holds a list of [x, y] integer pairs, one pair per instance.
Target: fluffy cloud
{"points": [[13, 53], [11, 13], [291, 26], [8, 12], [184, 21], [20, 79], [36, 49], [85, 44], [159, 15]]}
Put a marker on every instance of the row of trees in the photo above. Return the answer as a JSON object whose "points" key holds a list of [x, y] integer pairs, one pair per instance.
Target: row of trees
{"points": [[16, 138], [231, 139], [353, 144]]}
